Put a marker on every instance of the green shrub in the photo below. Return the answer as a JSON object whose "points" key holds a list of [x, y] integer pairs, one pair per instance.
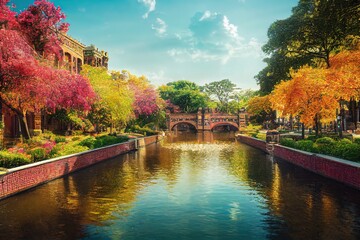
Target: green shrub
{"points": [[305, 145], [59, 139], [288, 142], [71, 149], [88, 142], [109, 140], [37, 132], [312, 138], [10, 160], [38, 154], [347, 150], [333, 136], [75, 138], [357, 140], [325, 140], [351, 152], [253, 134], [141, 130], [48, 135], [252, 128], [325, 145], [345, 140], [77, 132], [261, 136], [55, 150]]}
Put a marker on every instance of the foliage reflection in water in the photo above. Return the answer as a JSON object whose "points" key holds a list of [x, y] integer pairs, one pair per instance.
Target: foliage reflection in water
{"points": [[191, 186]]}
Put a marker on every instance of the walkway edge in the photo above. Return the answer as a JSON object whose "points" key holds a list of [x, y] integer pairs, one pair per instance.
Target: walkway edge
{"points": [[28, 176], [341, 170]]}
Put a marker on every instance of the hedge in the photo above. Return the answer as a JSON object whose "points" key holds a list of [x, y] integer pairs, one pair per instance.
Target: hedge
{"points": [[343, 148], [10, 160]]}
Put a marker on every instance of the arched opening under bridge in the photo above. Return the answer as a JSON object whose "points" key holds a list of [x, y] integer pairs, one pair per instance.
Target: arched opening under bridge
{"points": [[184, 126], [225, 127]]}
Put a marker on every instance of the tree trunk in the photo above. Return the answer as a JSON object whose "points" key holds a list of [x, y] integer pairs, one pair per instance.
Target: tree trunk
{"points": [[302, 131], [316, 125], [111, 127], [24, 128]]}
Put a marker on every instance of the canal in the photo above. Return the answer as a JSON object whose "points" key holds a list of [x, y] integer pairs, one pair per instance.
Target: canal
{"points": [[186, 187]]}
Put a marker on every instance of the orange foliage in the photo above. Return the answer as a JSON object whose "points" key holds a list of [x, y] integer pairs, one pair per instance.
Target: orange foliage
{"points": [[344, 75], [315, 92], [307, 94], [258, 104]]}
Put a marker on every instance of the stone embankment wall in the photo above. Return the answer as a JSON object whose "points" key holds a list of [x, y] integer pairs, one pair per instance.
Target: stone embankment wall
{"points": [[22, 178], [337, 169]]}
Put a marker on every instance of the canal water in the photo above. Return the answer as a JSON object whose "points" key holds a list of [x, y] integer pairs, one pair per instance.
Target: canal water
{"points": [[187, 187]]}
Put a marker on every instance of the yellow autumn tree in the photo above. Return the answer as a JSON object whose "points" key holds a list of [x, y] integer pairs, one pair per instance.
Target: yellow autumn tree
{"points": [[344, 75], [258, 104], [113, 94]]}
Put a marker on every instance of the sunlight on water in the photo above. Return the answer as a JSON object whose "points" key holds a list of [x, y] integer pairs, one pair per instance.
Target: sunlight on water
{"points": [[200, 147], [191, 186]]}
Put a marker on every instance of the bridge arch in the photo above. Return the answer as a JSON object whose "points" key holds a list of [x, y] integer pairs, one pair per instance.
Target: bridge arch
{"points": [[231, 124], [184, 122]]}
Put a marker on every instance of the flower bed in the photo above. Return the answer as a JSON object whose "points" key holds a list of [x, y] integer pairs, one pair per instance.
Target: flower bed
{"points": [[48, 145]]}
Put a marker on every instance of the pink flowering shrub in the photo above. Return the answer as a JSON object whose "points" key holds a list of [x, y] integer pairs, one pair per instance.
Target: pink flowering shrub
{"points": [[48, 146]]}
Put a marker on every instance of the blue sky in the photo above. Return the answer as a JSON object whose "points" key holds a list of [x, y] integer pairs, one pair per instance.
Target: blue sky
{"points": [[168, 40]]}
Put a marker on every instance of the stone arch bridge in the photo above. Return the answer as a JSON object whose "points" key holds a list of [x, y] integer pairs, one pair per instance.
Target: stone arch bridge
{"points": [[207, 120]]}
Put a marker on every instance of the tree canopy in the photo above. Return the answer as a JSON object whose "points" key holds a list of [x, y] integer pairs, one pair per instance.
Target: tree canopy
{"points": [[315, 29], [221, 90], [185, 94], [26, 82], [314, 93]]}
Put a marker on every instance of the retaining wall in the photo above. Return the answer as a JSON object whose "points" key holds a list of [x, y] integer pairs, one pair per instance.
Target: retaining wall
{"points": [[337, 169], [22, 178], [254, 142]]}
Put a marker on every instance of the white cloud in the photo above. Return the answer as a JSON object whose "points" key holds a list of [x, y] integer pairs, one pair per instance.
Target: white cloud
{"points": [[230, 28], [160, 27], [214, 38], [150, 4], [207, 14], [195, 55], [158, 78]]}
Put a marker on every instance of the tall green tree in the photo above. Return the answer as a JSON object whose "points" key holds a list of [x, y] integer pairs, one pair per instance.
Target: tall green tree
{"points": [[315, 29], [185, 94], [240, 100], [278, 69], [222, 91]]}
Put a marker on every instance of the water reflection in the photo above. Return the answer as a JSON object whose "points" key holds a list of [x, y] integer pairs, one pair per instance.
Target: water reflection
{"points": [[191, 186]]}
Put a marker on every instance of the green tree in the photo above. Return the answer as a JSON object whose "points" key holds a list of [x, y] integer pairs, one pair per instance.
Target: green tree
{"points": [[222, 91], [315, 29], [278, 69], [185, 94], [240, 100]]}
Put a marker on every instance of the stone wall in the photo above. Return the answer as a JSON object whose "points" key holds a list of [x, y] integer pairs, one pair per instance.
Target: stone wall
{"points": [[337, 169], [257, 143], [22, 178]]}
